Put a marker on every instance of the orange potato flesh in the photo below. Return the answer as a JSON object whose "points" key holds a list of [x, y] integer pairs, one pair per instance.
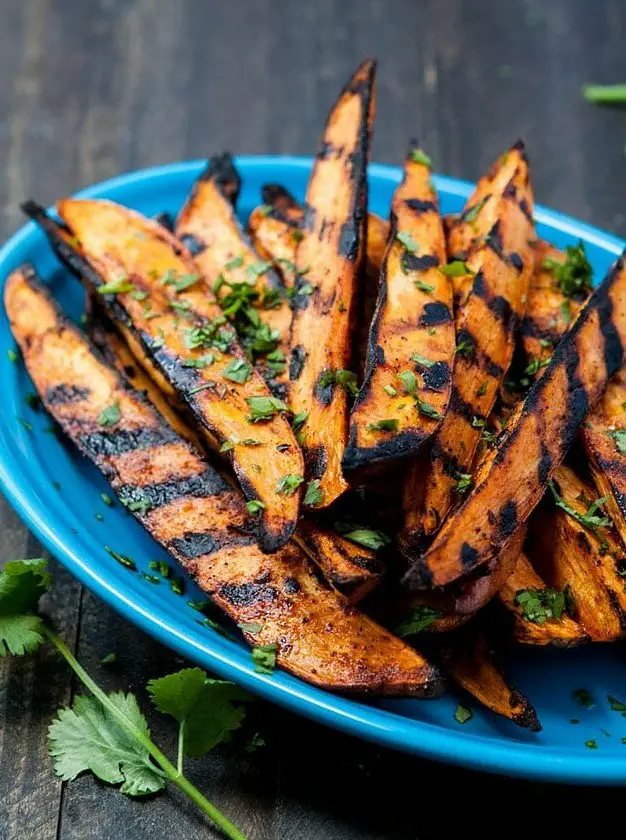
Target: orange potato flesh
{"points": [[331, 250], [412, 321], [202, 521], [113, 242]]}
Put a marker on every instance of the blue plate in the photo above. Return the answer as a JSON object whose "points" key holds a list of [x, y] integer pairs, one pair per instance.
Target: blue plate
{"points": [[57, 493]]}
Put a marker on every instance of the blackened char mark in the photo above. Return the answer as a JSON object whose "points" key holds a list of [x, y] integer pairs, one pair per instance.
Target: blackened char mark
{"points": [[399, 446], [525, 208], [545, 465], [166, 220], [281, 201], [437, 376], [296, 363], [193, 244], [195, 544], [247, 594], [291, 586], [452, 467], [420, 206], [316, 460], [463, 408], [221, 170], [209, 483], [494, 240], [112, 443], [413, 262], [501, 308], [613, 348], [490, 367], [183, 378], [479, 286], [326, 151], [507, 519], [350, 237], [577, 399], [64, 394], [308, 218], [434, 314], [516, 261], [510, 191], [469, 556], [323, 393]]}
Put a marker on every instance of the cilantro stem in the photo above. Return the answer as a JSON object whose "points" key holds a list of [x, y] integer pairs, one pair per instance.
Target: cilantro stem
{"points": [[609, 94], [181, 747], [172, 773]]}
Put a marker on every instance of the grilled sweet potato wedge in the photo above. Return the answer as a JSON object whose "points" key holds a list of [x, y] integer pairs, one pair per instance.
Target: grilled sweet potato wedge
{"points": [[249, 289], [334, 235], [202, 521], [486, 324], [560, 632], [472, 666], [604, 439], [588, 560], [274, 228], [408, 370], [351, 569], [549, 312], [466, 231], [180, 327], [539, 435]]}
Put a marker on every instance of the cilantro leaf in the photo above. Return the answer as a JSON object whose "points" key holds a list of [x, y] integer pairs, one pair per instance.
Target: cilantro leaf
{"points": [[288, 484], [208, 710], [471, 214], [540, 605], [22, 583], [417, 620], [313, 495], [264, 408], [116, 287], [418, 156], [574, 276], [457, 268], [619, 436], [389, 425], [88, 737], [238, 370], [264, 658], [589, 519], [407, 240], [110, 415], [367, 537]]}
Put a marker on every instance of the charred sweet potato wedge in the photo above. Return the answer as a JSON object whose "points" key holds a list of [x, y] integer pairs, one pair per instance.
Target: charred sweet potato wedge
{"points": [[486, 326], [538, 438], [351, 569], [331, 250], [604, 438], [274, 229], [410, 348], [586, 559], [158, 296], [467, 230], [249, 289], [472, 666], [560, 632], [199, 518]]}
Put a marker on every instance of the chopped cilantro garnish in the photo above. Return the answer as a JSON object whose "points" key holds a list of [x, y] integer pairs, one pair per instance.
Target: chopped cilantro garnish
{"points": [[457, 268], [264, 658], [288, 484], [407, 240], [423, 287], [110, 415], [389, 389], [463, 714], [313, 496], [575, 274], [590, 518], [471, 214], [116, 287], [422, 360], [264, 408], [540, 605], [255, 506], [418, 156], [390, 425], [239, 370], [417, 620]]}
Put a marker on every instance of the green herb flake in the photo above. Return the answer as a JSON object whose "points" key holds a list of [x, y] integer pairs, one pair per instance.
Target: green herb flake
{"points": [[407, 240], [463, 484], [109, 659], [471, 214], [540, 605], [98, 517], [254, 506], [162, 567], [591, 744], [566, 311], [288, 484], [239, 370], [122, 559], [457, 268], [418, 156], [12, 354], [575, 274], [463, 714], [254, 628], [585, 698], [155, 579], [314, 495], [422, 360], [177, 585], [481, 390], [25, 424], [108, 501], [389, 425], [417, 620], [236, 262], [117, 287], [590, 519], [264, 408], [616, 705], [299, 420], [423, 287], [264, 658], [427, 409], [110, 415], [619, 436], [389, 389], [408, 380], [359, 534], [257, 269]]}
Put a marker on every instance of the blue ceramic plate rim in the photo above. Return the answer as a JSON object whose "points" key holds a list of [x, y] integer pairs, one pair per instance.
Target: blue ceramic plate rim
{"points": [[348, 715]]}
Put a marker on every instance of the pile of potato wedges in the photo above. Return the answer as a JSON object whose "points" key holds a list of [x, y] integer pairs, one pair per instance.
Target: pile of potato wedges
{"points": [[385, 447]]}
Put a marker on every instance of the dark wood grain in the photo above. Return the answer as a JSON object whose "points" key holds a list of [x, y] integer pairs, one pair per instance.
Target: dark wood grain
{"points": [[92, 89]]}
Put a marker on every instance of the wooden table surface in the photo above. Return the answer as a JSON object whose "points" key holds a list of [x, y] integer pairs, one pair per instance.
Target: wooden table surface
{"points": [[92, 89]]}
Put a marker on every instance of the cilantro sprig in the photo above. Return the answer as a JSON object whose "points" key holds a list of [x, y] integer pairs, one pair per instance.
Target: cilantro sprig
{"points": [[107, 734]]}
